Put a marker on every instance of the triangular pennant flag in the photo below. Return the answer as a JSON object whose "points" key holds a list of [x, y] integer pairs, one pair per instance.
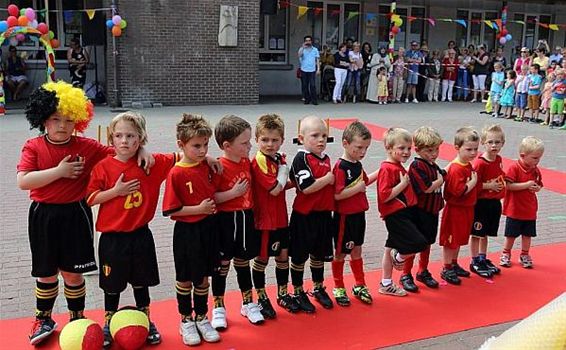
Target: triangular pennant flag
{"points": [[461, 22], [90, 13], [411, 18], [431, 21], [553, 26], [489, 24], [283, 4], [495, 27], [302, 11], [68, 16], [520, 22], [370, 16], [334, 13], [352, 15], [317, 11], [499, 23], [444, 19]]}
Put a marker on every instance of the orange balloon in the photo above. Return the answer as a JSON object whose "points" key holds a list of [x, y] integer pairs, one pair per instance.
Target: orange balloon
{"points": [[23, 21], [55, 43], [116, 31]]}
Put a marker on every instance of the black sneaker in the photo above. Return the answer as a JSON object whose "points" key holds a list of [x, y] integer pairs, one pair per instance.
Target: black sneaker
{"points": [[494, 269], [480, 268], [408, 283], [426, 278], [450, 276], [322, 297], [42, 328], [288, 303], [266, 309], [107, 337], [460, 272], [303, 302], [153, 337]]}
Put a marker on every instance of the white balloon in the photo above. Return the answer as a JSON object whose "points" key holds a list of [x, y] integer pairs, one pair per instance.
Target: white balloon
{"points": [[33, 24]]}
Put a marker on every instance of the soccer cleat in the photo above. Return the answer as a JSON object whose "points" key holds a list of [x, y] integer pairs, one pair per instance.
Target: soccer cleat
{"points": [[526, 261], [426, 278], [304, 303], [322, 297], [153, 336], [505, 260], [481, 269], [362, 293], [266, 309], [450, 276], [397, 265], [408, 283], [252, 313], [288, 303], [189, 332], [341, 296], [494, 269], [42, 328], [392, 289], [219, 318], [209, 334], [107, 343], [460, 272]]}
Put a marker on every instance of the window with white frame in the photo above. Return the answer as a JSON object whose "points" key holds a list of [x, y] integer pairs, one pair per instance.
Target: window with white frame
{"points": [[476, 32], [332, 22], [529, 34], [409, 30], [273, 37]]}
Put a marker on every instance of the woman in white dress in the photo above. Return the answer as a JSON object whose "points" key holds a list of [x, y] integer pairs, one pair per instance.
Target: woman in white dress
{"points": [[378, 60]]}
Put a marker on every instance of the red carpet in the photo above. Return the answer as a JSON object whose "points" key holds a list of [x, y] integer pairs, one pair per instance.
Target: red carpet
{"points": [[390, 320], [553, 180]]}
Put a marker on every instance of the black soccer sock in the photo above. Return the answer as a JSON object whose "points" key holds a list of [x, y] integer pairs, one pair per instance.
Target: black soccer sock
{"points": [[184, 304], [282, 276], [258, 276], [141, 296], [111, 303], [317, 272], [244, 277], [219, 284], [75, 296], [297, 271], [45, 295], [200, 297]]}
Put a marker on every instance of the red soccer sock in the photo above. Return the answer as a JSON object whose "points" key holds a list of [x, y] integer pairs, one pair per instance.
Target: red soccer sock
{"points": [[357, 267], [506, 251], [408, 265], [424, 257], [338, 273], [524, 252]]}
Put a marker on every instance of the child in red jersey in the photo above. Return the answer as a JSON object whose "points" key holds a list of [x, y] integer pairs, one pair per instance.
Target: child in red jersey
{"points": [[349, 217], [234, 201], [311, 220], [487, 212], [520, 205], [189, 200], [55, 168], [460, 193], [270, 173], [396, 202], [128, 199], [426, 179]]}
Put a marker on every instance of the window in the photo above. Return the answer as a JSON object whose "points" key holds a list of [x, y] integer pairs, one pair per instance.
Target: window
{"points": [[488, 32], [407, 32], [477, 31], [461, 32], [331, 23], [530, 33], [417, 26], [273, 37]]}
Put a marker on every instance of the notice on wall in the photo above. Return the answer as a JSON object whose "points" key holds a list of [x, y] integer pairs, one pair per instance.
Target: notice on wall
{"points": [[228, 28]]}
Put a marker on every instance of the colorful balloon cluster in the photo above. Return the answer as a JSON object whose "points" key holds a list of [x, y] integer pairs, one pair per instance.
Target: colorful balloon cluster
{"points": [[503, 36], [26, 17], [116, 24], [396, 23]]}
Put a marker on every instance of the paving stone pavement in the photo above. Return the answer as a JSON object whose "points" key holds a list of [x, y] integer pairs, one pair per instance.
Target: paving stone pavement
{"points": [[16, 285]]}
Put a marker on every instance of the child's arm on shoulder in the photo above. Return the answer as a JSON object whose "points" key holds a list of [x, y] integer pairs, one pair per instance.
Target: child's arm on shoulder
{"points": [[30, 180], [237, 190], [120, 189]]}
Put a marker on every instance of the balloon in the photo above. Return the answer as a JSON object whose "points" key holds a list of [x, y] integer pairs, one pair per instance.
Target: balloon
{"points": [[13, 41], [33, 24], [504, 32], [20, 37], [13, 10], [109, 24], [23, 21], [502, 41], [12, 21], [54, 43], [3, 26], [508, 37], [30, 14], [398, 22], [116, 31], [51, 35], [22, 12], [123, 24], [116, 20], [394, 29], [43, 28]]}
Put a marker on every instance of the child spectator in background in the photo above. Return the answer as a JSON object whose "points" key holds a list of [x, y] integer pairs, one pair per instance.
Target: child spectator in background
{"points": [[547, 96], [535, 82], [507, 99], [382, 92], [522, 89], [557, 101], [497, 82], [399, 74]]}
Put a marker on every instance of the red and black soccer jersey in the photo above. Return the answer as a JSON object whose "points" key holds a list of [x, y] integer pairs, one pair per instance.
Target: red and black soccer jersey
{"points": [[346, 175], [422, 175], [231, 173], [40, 154], [306, 168], [455, 185], [521, 205], [387, 178], [489, 171], [270, 212], [128, 213], [187, 185]]}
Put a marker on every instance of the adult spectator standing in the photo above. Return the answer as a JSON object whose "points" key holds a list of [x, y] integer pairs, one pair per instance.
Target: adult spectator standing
{"points": [[15, 69], [542, 60], [449, 75], [414, 58], [380, 59], [341, 65], [367, 55], [525, 59], [556, 56], [354, 73], [78, 59], [481, 64], [309, 60], [423, 81]]}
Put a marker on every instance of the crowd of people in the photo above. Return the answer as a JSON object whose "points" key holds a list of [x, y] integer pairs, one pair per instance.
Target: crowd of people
{"points": [[356, 73]]}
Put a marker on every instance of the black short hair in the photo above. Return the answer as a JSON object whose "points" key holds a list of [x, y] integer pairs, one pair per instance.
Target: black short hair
{"points": [[307, 37]]}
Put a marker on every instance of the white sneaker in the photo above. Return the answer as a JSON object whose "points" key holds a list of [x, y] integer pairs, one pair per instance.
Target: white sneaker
{"points": [[384, 102], [415, 101], [252, 312], [473, 101], [188, 331], [219, 318], [406, 100], [208, 333]]}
